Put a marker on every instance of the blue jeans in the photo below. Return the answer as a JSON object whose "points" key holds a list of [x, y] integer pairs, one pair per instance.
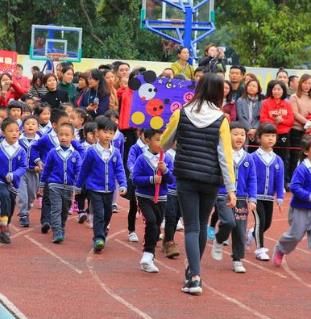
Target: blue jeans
{"points": [[60, 200], [196, 203], [102, 209]]}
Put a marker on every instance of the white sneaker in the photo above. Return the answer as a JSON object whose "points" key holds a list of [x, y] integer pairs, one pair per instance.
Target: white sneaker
{"points": [[147, 264], [180, 225], [217, 250], [133, 238], [261, 254], [237, 266], [249, 238]]}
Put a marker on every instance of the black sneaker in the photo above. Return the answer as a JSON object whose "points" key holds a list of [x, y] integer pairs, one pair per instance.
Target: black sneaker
{"points": [[5, 238], [82, 217], [193, 287], [24, 221], [45, 228], [115, 209]]}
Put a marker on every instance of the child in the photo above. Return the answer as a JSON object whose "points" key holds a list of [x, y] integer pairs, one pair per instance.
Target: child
{"points": [[246, 185], [137, 149], [117, 142], [145, 178], [101, 166], [270, 182], [12, 168], [43, 112], [78, 119], [30, 181], [26, 112], [68, 108], [172, 214], [89, 140], [41, 149], [60, 172], [300, 206], [15, 111]]}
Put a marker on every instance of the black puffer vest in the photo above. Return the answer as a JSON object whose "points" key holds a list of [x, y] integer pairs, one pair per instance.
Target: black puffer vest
{"points": [[196, 154]]}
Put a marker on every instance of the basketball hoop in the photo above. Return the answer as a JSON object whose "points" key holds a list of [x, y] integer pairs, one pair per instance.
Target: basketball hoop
{"points": [[57, 56]]}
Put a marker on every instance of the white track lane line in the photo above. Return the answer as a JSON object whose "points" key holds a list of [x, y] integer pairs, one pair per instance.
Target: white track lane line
{"points": [[254, 312], [20, 233], [12, 308], [50, 252], [109, 291]]}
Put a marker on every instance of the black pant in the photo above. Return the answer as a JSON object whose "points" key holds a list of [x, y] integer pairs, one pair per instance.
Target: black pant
{"points": [[214, 218], [131, 217], [239, 230], [263, 220], [172, 215], [80, 199], [7, 202], [295, 141], [46, 206], [153, 214], [102, 210], [196, 202]]}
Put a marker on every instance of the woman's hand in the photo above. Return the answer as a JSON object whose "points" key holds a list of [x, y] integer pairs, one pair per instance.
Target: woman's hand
{"points": [[92, 107]]}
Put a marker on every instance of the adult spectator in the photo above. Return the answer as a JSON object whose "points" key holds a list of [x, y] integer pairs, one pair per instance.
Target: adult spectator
{"points": [[181, 66], [228, 105], [122, 72], [54, 96], [35, 69], [83, 84], [10, 89], [167, 73], [96, 98], [293, 82], [236, 77], [203, 162], [23, 81], [301, 104], [110, 81], [38, 89], [66, 83], [212, 61], [282, 75]]}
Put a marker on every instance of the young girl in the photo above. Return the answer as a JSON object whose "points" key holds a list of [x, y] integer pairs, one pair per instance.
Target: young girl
{"points": [[300, 206], [78, 119], [43, 112], [248, 108], [229, 106], [270, 183]]}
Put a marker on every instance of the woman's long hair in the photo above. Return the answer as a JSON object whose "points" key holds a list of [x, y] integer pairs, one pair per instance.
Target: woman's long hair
{"points": [[102, 86], [210, 89], [304, 78]]}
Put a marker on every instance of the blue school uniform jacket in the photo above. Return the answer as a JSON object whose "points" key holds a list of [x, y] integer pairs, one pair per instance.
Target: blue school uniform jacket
{"points": [[61, 169], [48, 142], [137, 149], [300, 186], [44, 130], [172, 188], [14, 165], [27, 145], [246, 178], [143, 176], [118, 142], [270, 177], [98, 174]]}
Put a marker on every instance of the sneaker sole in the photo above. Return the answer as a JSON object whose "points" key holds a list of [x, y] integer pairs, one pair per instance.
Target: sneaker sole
{"points": [[145, 267]]}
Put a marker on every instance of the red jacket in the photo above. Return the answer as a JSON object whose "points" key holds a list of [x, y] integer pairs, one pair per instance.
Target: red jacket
{"points": [[125, 101], [23, 81], [270, 109], [15, 92], [230, 108]]}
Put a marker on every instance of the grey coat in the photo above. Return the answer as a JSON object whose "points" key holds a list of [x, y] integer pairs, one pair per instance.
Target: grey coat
{"points": [[243, 114]]}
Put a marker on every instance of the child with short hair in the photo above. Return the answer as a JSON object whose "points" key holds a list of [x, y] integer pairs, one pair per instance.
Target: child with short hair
{"points": [[60, 173], [43, 112], [30, 181], [299, 214], [12, 168], [68, 108], [15, 111], [246, 192], [101, 167], [26, 111], [270, 183], [78, 119], [89, 132], [41, 149], [118, 142], [145, 178], [137, 149]]}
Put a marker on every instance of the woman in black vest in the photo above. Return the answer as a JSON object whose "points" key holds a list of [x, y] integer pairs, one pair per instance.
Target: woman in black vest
{"points": [[203, 162]]}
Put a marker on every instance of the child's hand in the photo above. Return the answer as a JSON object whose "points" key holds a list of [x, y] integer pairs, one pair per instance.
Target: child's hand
{"points": [[157, 179], [251, 206], [38, 169], [231, 200], [162, 167], [9, 177], [122, 191]]}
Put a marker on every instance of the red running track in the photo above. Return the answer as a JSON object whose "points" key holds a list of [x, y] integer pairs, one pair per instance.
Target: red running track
{"points": [[68, 281]]}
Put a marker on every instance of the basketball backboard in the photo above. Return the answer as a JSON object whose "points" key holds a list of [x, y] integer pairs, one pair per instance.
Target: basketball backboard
{"points": [[50, 39]]}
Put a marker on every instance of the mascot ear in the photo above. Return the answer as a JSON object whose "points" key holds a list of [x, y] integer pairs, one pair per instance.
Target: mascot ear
{"points": [[149, 76], [134, 84]]}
